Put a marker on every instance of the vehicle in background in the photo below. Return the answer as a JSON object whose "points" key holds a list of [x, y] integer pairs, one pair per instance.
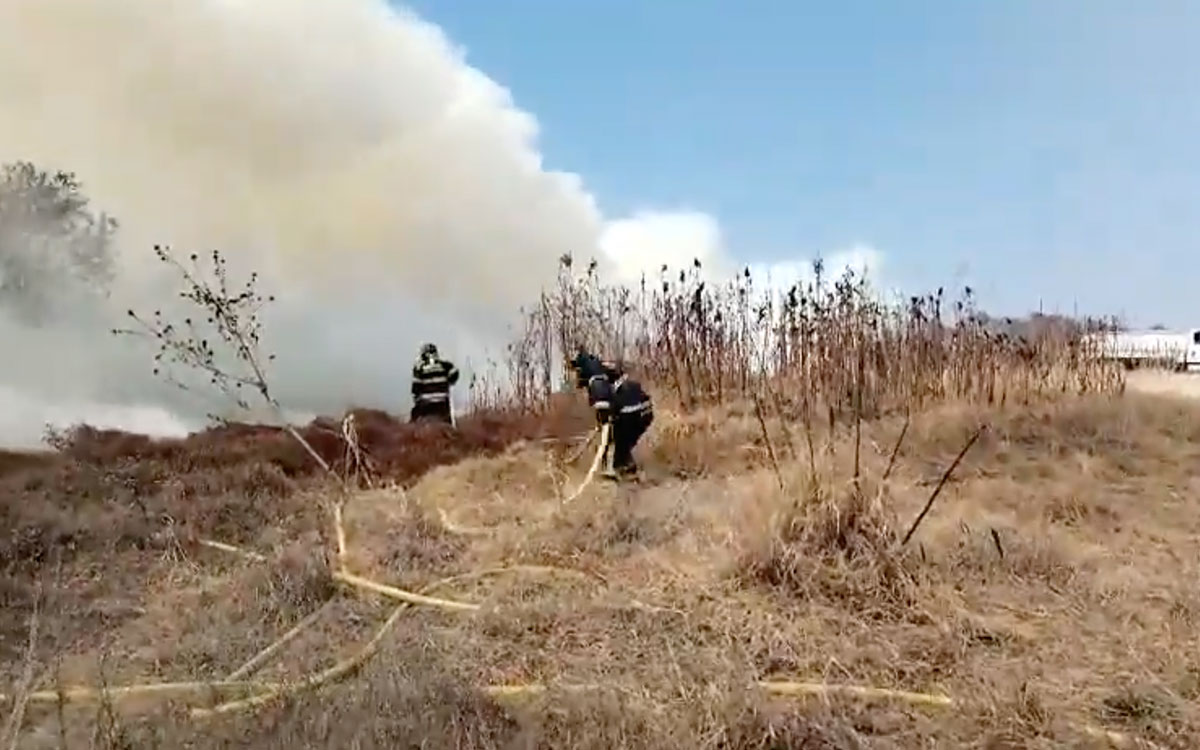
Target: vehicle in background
{"points": [[1171, 350]]}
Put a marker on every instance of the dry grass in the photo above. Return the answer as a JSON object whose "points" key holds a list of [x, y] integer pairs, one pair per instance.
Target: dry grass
{"points": [[1165, 383], [1049, 591]]}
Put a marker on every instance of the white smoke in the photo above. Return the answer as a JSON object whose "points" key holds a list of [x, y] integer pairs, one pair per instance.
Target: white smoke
{"points": [[649, 240], [385, 191], [864, 260]]}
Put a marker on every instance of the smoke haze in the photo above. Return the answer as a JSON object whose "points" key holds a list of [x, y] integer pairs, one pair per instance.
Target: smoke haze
{"points": [[385, 191]]}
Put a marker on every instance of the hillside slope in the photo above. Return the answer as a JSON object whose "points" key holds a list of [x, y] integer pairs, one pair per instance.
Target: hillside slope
{"points": [[1049, 593]]}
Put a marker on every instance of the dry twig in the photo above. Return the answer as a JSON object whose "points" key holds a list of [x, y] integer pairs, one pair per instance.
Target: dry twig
{"points": [[942, 483]]}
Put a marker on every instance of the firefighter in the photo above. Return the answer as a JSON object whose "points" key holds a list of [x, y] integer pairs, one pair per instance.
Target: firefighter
{"points": [[432, 378], [617, 400], [586, 362]]}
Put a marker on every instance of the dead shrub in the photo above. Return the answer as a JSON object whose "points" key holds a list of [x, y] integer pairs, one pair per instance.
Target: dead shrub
{"points": [[79, 508], [682, 446], [416, 545], [984, 555], [838, 544], [751, 724], [399, 450], [297, 582], [613, 526], [1152, 712], [1030, 709], [1132, 705], [1072, 508], [692, 446], [613, 718]]}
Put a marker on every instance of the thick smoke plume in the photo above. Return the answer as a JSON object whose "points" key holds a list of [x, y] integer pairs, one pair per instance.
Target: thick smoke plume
{"points": [[385, 191]]}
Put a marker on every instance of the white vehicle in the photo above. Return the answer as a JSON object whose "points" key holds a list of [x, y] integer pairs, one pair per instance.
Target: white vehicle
{"points": [[1167, 349]]}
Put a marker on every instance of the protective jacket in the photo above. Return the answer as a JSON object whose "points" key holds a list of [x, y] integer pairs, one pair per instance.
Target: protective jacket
{"points": [[611, 392], [431, 380], [621, 399]]}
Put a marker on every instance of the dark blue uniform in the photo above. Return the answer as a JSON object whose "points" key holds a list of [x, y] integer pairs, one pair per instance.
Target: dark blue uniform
{"points": [[432, 378], [619, 400], [587, 365]]}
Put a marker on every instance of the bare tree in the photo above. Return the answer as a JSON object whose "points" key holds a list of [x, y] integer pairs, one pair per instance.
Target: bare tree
{"points": [[221, 340], [227, 321]]}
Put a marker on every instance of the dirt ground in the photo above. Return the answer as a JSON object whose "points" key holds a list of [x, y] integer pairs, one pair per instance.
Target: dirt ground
{"points": [[1165, 383], [746, 595]]}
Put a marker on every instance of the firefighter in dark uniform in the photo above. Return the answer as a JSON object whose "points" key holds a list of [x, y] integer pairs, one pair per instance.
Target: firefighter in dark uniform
{"points": [[432, 377], [617, 400]]}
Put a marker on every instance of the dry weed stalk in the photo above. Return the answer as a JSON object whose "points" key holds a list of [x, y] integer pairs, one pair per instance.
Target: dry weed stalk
{"points": [[762, 424], [833, 345], [942, 483], [896, 448], [356, 459]]}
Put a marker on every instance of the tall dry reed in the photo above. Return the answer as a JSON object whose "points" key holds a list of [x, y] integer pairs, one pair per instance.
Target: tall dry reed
{"points": [[828, 346]]}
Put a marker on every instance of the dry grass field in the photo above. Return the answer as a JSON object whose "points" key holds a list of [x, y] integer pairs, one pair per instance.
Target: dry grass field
{"points": [[1186, 385], [766, 585]]}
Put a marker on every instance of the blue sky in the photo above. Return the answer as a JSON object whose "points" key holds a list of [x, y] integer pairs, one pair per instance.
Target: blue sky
{"points": [[1036, 150]]}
